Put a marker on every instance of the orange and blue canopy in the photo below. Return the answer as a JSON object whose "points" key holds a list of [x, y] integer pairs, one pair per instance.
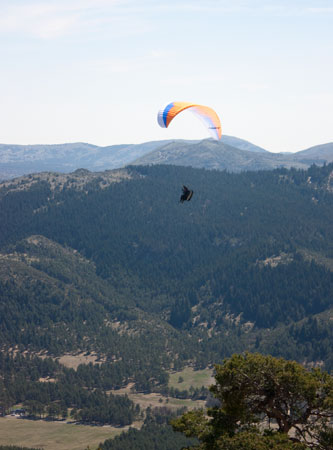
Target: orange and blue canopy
{"points": [[207, 115]]}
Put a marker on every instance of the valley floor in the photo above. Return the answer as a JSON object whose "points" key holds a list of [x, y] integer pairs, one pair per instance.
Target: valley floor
{"points": [[53, 435], [66, 435]]}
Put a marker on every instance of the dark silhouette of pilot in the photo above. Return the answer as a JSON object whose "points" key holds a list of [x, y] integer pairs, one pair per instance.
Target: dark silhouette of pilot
{"points": [[186, 195]]}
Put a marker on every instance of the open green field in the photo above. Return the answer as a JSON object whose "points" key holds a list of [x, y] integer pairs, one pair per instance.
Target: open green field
{"points": [[53, 435], [157, 400], [67, 436], [195, 378]]}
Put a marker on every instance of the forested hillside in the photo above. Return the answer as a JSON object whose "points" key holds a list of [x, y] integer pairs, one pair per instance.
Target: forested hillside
{"points": [[111, 265], [251, 252]]}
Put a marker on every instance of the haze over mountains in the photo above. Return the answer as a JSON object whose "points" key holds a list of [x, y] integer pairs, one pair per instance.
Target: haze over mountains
{"points": [[232, 154]]}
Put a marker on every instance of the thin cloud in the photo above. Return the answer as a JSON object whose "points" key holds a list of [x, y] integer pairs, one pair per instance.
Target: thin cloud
{"points": [[57, 18], [237, 6], [37, 19]]}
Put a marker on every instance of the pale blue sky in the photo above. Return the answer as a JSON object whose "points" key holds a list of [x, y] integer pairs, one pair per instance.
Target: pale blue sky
{"points": [[97, 71]]}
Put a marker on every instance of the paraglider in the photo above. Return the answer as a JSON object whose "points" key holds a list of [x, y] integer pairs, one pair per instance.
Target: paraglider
{"points": [[186, 195], [206, 114]]}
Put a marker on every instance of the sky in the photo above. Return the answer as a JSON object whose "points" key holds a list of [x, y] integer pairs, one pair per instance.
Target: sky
{"points": [[98, 71]]}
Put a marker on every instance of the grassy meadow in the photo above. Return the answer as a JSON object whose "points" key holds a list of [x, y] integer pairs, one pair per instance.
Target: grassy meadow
{"points": [[191, 377], [53, 435]]}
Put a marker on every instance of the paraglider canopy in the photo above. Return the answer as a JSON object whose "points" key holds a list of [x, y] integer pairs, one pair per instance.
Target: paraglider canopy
{"points": [[206, 114]]}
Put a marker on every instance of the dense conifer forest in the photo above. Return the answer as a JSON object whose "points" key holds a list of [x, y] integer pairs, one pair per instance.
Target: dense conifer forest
{"points": [[151, 436], [155, 434], [124, 271]]}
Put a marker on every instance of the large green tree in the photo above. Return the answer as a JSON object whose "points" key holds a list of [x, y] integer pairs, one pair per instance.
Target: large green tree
{"points": [[264, 402]]}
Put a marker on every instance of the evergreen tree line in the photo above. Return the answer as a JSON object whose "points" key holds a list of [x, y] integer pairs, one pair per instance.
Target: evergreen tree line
{"points": [[155, 434], [60, 390]]}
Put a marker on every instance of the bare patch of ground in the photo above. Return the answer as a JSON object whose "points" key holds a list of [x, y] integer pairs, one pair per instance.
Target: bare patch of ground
{"points": [[73, 361], [274, 261]]}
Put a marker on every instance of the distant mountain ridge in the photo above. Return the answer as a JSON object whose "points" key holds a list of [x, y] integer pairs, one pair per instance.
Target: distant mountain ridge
{"points": [[231, 153], [210, 154], [325, 151], [242, 144]]}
